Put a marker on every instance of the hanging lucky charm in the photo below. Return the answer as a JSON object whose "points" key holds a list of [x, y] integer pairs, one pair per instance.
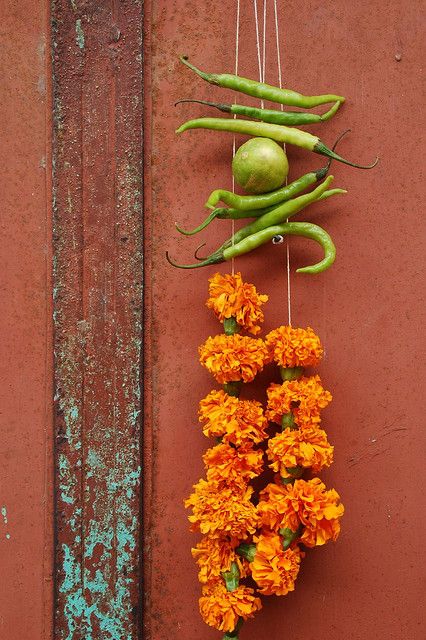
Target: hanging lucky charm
{"points": [[255, 536], [248, 535]]}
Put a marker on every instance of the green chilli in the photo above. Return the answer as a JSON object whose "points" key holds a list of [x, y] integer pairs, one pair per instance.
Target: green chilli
{"points": [[262, 90], [279, 133], [304, 229], [248, 203], [288, 118]]}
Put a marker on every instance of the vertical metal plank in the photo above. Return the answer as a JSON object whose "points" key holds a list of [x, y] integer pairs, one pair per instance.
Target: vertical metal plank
{"points": [[97, 159]]}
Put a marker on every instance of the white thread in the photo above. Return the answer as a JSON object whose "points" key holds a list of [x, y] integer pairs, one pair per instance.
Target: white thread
{"points": [[264, 42], [237, 38], [282, 109], [259, 62]]}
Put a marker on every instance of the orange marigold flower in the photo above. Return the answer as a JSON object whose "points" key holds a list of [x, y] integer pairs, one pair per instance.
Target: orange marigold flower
{"points": [[222, 609], [233, 358], [306, 447], [215, 555], [233, 466], [274, 569], [231, 297], [219, 510], [306, 503], [304, 397], [290, 347], [234, 420]]}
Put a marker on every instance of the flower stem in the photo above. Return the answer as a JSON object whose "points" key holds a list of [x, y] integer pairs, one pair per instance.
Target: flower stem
{"points": [[290, 536], [233, 388], [231, 326], [291, 373], [287, 421], [247, 551], [231, 577]]}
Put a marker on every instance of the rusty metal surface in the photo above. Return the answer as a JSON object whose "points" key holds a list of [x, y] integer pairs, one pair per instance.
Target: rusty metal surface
{"points": [[368, 308], [97, 68], [25, 324]]}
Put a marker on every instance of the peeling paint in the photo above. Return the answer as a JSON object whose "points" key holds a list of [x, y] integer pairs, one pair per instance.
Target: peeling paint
{"points": [[79, 34], [98, 319], [3, 512]]}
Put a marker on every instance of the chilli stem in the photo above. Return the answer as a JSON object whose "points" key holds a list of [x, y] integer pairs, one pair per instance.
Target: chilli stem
{"points": [[202, 74], [321, 173], [321, 148], [200, 227], [214, 258], [222, 107]]}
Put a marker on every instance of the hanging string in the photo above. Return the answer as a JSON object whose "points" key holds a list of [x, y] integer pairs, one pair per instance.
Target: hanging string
{"points": [[264, 42], [282, 109], [237, 46], [261, 60], [262, 68]]}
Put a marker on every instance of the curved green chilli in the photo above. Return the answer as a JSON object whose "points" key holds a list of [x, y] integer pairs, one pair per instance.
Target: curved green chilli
{"points": [[236, 214], [279, 133], [281, 213], [262, 90], [223, 213], [304, 229], [248, 203], [289, 118]]}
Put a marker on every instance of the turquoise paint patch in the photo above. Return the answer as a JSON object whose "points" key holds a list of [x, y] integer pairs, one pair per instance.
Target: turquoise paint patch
{"points": [[77, 608], [4, 514], [97, 594], [94, 463], [79, 34], [62, 462], [93, 459], [71, 418], [98, 584], [66, 499], [71, 570]]}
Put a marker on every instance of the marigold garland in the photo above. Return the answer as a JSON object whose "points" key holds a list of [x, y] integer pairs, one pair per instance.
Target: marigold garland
{"points": [[218, 509], [242, 540], [230, 297], [233, 420], [274, 569], [294, 447], [290, 347], [215, 555], [304, 397], [305, 504], [222, 609], [233, 358], [225, 463]]}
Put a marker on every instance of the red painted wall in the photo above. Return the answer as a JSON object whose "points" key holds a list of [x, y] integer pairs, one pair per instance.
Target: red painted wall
{"points": [[367, 309], [25, 324]]}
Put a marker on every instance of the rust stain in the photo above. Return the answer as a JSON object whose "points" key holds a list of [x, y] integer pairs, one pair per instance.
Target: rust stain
{"points": [[97, 315]]}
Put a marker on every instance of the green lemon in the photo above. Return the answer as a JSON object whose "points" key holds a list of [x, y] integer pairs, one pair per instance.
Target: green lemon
{"points": [[260, 165]]}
